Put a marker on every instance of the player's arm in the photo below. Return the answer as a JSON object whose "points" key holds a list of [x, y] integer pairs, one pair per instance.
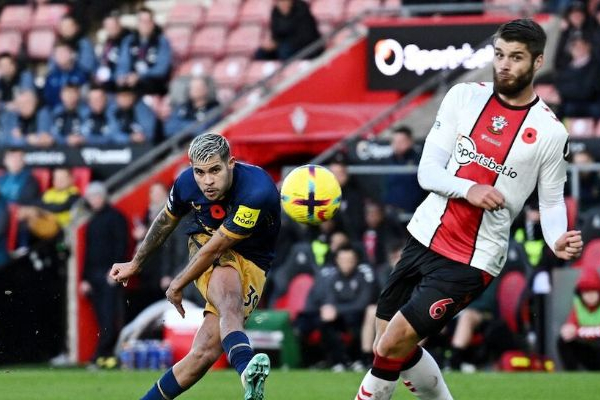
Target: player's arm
{"points": [[567, 245], [159, 231], [220, 241]]}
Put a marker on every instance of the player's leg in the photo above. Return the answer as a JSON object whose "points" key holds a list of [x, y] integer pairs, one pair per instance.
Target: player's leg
{"points": [[467, 322], [205, 350], [227, 289]]}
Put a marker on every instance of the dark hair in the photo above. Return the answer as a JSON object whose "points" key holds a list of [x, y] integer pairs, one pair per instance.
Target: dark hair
{"points": [[145, 10], [403, 129], [524, 31], [348, 247], [6, 54]]}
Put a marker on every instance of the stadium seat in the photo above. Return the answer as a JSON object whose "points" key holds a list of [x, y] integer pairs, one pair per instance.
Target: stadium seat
{"points": [[13, 227], [244, 40], [230, 71], [43, 176], [48, 16], [16, 17], [391, 4], [209, 41], [259, 70], [10, 42], [331, 11], [40, 44], [82, 176], [579, 127], [512, 304], [357, 7], [187, 14], [225, 94], [295, 298], [256, 11], [223, 13], [199, 66], [590, 256], [180, 37]]}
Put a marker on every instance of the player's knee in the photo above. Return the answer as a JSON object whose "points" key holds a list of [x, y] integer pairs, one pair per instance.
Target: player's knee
{"points": [[397, 343]]}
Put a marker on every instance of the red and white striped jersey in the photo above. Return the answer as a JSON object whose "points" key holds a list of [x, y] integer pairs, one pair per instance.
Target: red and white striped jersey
{"points": [[490, 142]]}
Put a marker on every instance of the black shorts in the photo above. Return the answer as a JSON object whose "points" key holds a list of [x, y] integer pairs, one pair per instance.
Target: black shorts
{"points": [[429, 289]]}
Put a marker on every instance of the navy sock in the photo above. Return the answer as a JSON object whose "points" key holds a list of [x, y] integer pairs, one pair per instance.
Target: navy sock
{"points": [[237, 347], [166, 385]]}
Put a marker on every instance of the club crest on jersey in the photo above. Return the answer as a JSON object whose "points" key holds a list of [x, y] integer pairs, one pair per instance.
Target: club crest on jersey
{"points": [[498, 123]]}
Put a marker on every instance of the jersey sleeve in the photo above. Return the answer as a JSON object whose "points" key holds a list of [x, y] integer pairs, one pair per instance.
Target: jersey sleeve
{"points": [[444, 132], [176, 207], [553, 172], [244, 217]]}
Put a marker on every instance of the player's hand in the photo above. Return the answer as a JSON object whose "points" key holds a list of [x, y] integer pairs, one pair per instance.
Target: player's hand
{"points": [[328, 312], [569, 245], [175, 297], [121, 272], [486, 197]]}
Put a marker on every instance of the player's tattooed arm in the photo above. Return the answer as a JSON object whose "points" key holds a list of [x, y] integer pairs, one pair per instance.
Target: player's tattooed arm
{"points": [[159, 231]]}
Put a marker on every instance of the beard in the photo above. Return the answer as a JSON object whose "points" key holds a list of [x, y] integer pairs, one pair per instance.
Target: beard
{"points": [[514, 88]]}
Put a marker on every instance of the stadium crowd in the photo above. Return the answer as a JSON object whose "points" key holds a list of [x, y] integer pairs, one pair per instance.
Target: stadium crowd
{"points": [[104, 93]]}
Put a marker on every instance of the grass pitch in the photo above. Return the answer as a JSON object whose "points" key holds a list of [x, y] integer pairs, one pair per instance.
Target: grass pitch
{"points": [[71, 384]]}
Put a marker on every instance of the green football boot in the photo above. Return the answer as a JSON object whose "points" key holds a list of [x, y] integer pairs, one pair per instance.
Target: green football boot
{"points": [[253, 377]]}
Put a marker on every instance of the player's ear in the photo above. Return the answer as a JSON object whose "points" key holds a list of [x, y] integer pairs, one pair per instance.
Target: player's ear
{"points": [[538, 62], [231, 162]]}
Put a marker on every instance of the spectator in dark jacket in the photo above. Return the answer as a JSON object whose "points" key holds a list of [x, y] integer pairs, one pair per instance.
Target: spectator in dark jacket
{"points": [[131, 121], [145, 59], [349, 218], [12, 81], [70, 32], [110, 52], [28, 125], [292, 28], [95, 126], [64, 70], [202, 101], [578, 83], [105, 244], [402, 191], [340, 300], [576, 21], [68, 117], [4, 222]]}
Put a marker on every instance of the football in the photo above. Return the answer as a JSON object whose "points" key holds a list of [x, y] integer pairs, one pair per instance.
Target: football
{"points": [[310, 194]]}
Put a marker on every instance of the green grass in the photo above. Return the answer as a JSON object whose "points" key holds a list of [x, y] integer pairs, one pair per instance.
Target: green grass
{"points": [[75, 384]]}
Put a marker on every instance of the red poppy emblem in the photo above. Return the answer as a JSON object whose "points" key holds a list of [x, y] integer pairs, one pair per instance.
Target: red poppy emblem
{"points": [[529, 136], [217, 212]]}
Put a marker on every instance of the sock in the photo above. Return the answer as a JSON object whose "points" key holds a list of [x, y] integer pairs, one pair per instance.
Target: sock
{"points": [[457, 357], [424, 379], [237, 347], [380, 381], [166, 388]]}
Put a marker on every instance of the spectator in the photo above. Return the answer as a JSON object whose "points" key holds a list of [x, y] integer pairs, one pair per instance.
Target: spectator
{"points": [[12, 81], [377, 233], [151, 286], [402, 191], [52, 213], [4, 223], [131, 121], [578, 82], [337, 304], [349, 218], [292, 28], [145, 59], [197, 110], [70, 32], [18, 184], [596, 33], [110, 52], [579, 340], [28, 125], [105, 244], [95, 126], [68, 117], [575, 21], [63, 71]]}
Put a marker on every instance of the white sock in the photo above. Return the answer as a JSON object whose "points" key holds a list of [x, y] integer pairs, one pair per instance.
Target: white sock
{"points": [[425, 379], [373, 388]]}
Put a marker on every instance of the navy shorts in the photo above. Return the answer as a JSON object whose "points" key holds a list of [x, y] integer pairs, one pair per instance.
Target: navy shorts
{"points": [[429, 289]]}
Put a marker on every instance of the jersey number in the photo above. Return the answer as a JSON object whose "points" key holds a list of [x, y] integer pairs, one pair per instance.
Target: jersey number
{"points": [[438, 309], [251, 298]]}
